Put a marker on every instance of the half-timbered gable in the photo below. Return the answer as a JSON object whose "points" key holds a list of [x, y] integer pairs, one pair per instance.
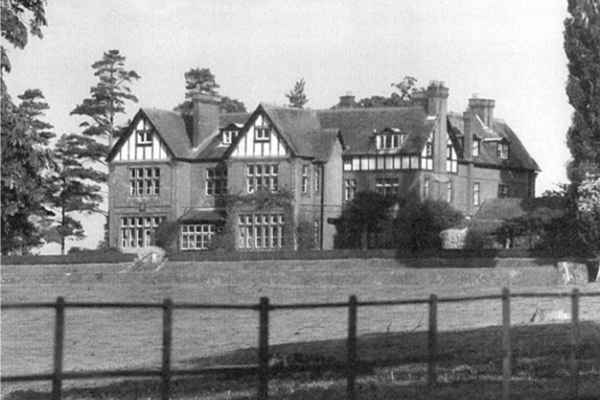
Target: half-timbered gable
{"points": [[259, 139], [142, 144]]}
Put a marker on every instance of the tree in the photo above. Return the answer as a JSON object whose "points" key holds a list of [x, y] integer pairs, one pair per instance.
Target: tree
{"points": [[74, 188], [108, 97], [407, 88], [203, 80], [582, 47], [33, 108], [24, 157], [296, 96]]}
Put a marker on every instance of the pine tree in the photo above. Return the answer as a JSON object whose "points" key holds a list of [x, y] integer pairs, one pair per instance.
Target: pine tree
{"points": [[203, 80], [108, 97], [296, 96], [73, 189]]}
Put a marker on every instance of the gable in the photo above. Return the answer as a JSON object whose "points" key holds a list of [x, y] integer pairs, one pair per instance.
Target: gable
{"points": [[259, 139], [141, 144]]}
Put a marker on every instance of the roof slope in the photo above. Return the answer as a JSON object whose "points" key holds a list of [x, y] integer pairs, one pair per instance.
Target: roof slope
{"points": [[357, 126], [518, 157]]}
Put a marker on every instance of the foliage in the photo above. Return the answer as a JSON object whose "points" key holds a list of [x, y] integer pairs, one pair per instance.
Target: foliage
{"points": [[407, 88], [224, 239], [24, 156], [14, 28], [202, 80], [361, 221], [305, 232], [166, 235], [418, 224], [108, 97], [588, 204], [296, 96], [477, 239], [72, 189], [582, 47]]}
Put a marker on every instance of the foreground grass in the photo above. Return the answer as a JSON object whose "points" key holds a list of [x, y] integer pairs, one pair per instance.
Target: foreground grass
{"points": [[392, 342], [393, 366]]}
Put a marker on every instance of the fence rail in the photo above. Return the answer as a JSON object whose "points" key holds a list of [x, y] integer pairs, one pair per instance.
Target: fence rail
{"points": [[261, 369]]}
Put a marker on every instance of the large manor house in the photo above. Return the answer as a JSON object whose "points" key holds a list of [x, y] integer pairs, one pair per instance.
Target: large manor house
{"points": [[260, 175]]}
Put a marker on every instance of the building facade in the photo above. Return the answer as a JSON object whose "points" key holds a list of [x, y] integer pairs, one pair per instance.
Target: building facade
{"points": [[261, 176]]}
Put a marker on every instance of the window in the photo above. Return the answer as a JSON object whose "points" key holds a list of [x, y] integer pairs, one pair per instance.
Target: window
{"points": [[476, 143], [349, 189], [502, 151], [144, 135], [196, 236], [216, 181], [262, 177], [388, 141], [476, 194], [426, 157], [386, 186], [317, 182], [502, 191], [262, 133], [139, 231], [451, 158], [304, 178], [229, 136], [144, 182], [449, 192], [264, 231], [426, 188]]}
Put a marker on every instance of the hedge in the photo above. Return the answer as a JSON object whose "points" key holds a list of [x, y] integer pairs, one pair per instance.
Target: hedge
{"points": [[76, 258]]}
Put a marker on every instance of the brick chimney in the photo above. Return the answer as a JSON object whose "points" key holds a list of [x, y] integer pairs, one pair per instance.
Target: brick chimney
{"points": [[347, 101], [484, 108], [434, 99], [206, 116]]}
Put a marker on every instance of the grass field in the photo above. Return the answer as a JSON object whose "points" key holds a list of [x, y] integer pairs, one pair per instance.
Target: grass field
{"points": [[392, 339]]}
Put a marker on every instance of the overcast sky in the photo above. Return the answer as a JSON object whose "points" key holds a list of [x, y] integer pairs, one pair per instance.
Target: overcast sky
{"points": [[507, 50]]}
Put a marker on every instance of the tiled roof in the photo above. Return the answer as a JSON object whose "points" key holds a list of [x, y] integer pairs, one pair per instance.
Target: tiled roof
{"points": [[358, 124], [296, 126], [518, 157], [502, 209], [171, 128]]}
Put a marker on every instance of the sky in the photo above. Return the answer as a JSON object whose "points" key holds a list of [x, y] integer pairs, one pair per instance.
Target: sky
{"points": [[510, 51]]}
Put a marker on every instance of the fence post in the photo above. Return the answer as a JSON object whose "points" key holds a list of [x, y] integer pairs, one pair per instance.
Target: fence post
{"points": [[506, 367], [432, 342], [263, 349], [166, 350], [575, 336], [351, 349], [59, 339]]}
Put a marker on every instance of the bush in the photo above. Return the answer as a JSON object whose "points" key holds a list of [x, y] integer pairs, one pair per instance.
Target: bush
{"points": [[306, 235], [478, 239], [166, 235]]}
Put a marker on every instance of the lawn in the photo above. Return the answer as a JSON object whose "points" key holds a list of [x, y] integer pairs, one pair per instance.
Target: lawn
{"points": [[392, 340]]}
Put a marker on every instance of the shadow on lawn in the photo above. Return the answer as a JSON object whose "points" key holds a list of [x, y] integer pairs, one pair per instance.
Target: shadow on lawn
{"points": [[391, 364]]}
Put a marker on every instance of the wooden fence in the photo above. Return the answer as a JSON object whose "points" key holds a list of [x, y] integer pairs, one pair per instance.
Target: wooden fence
{"points": [[261, 369]]}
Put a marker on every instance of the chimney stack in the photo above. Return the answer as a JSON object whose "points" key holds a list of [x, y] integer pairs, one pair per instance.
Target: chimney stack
{"points": [[206, 116], [484, 109], [434, 99], [347, 101]]}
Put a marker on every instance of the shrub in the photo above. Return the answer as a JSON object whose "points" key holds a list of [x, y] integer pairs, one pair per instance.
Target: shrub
{"points": [[306, 235], [167, 234]]}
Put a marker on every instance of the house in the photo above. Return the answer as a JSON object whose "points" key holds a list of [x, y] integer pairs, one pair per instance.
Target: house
{"points": [[273, 177]]}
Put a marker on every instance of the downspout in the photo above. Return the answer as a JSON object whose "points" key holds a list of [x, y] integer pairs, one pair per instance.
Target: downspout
{"points": [[322, 223]]}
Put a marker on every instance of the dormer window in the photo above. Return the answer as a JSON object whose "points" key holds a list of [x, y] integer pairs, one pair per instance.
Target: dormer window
{"points": [[502, 150], [389, 139], [476, 146], [262, 133], [229, 136]]}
